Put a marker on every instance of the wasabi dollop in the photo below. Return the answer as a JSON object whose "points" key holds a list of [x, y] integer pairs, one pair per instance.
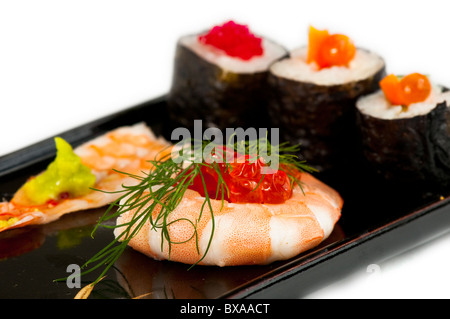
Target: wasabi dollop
{"points": [[65, 177]]}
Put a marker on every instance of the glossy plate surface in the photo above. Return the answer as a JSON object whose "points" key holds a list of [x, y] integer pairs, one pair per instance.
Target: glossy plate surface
{"points": [[379, 220]]}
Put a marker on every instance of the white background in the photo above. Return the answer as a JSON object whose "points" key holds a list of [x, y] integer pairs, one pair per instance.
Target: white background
{"points": [[63, 63]]}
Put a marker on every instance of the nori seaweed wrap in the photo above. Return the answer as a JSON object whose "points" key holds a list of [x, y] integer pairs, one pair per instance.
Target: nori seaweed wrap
{"points": [[407, 145], [317, 108], [221, 90]]}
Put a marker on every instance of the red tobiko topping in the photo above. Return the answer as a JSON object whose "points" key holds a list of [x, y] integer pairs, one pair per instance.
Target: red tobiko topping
{"points": [[234, 39], [246, 181]]}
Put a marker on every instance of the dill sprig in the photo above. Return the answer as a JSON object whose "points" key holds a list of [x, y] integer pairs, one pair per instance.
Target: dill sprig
{"points": [[164, 187]]}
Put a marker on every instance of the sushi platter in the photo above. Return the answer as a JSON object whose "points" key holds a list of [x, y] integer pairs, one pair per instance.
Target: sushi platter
{"points": [[378, 146], [369, 230]]}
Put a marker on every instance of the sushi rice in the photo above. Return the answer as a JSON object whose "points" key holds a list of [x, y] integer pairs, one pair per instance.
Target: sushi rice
{"points": [[363, 65], [272, 52], [378, 106]]}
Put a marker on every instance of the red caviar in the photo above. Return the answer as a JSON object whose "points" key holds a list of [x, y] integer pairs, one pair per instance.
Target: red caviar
{"points": [[234, 39], [62, 196], [412, 88], [329, 50], [246, 182]]}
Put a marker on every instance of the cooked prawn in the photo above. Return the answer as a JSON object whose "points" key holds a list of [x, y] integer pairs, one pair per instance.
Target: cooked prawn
{"points": [[243, 234], [125, 149]]}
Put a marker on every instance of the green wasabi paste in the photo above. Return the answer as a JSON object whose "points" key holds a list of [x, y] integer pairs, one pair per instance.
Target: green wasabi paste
{"points": [[65, 177]]}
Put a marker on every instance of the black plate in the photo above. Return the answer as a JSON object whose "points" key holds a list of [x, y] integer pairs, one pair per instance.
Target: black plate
{"points": [[379, 220]]}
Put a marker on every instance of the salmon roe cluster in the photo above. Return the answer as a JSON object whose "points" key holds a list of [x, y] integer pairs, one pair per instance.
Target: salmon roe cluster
{"points": [[234, 39], [328, 50], [412, 88], [247, 179]]}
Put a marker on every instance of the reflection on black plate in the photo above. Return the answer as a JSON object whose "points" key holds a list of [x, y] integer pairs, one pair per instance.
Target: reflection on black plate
{"points": [[379, 219]]}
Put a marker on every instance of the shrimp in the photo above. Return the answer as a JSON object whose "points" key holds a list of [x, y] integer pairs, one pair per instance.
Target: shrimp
{"points": [[243, 234], [125, 149]]}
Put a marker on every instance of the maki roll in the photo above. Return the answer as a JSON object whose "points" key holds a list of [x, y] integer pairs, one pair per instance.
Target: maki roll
{"points": [[220, 77], [405, 130], [313, 95]]}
